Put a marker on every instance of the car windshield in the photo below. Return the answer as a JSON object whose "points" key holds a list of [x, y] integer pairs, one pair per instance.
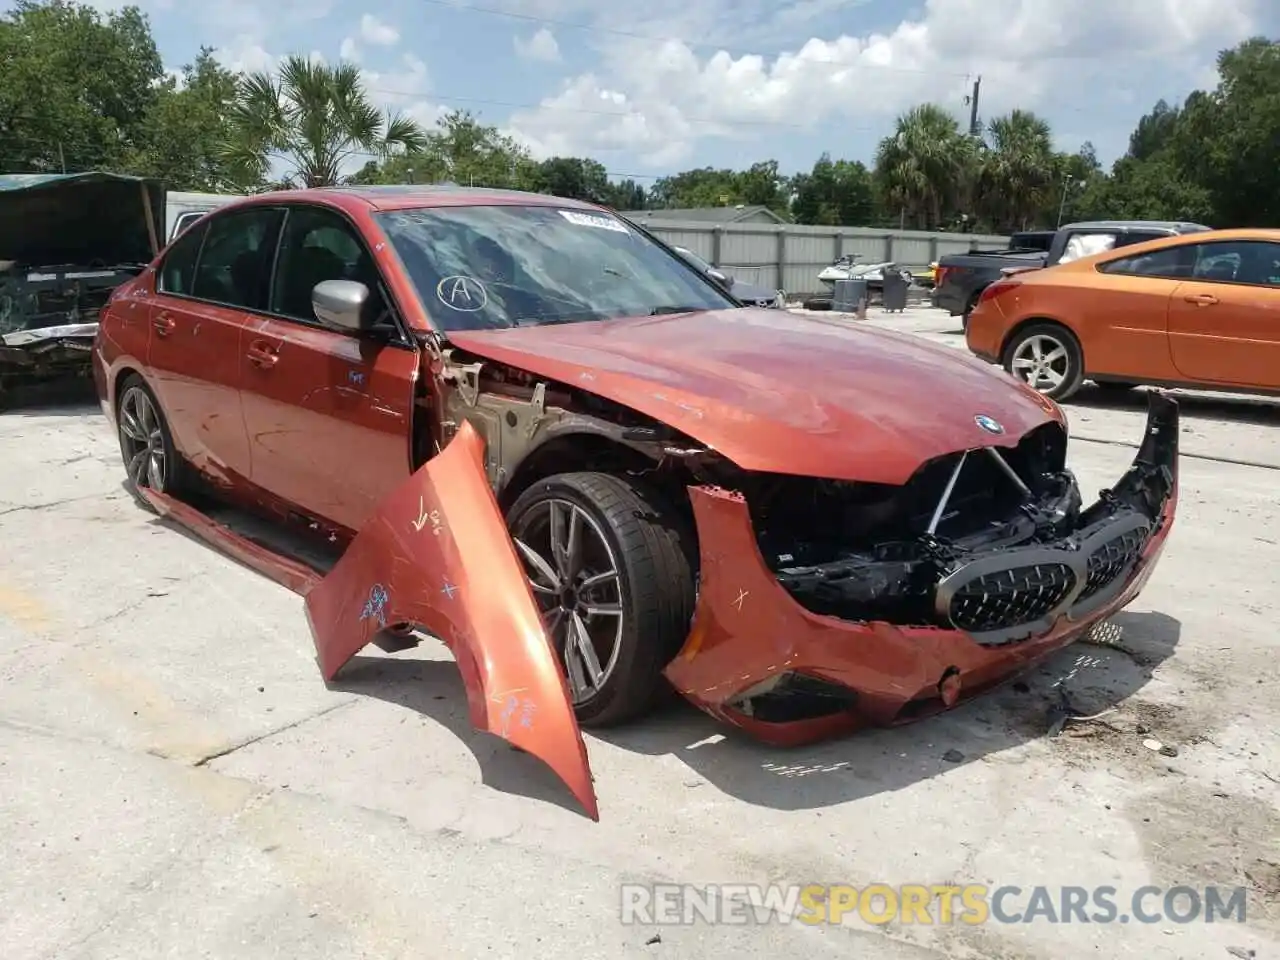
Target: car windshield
{"points": [[501, 266], [693, 258]]}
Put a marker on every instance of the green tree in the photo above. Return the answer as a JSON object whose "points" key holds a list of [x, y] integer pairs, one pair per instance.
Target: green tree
{"points": [[462, 150], [833, 193], [1227, 141], [185, 133], [703, 187], [574, 177], [924, 170], [76, 86], [313, 119], [1016, 171], [759, 185], [627, 195]]}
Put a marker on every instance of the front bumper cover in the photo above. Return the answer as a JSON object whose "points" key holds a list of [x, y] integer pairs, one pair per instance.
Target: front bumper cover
{"points": [[749, 634]]}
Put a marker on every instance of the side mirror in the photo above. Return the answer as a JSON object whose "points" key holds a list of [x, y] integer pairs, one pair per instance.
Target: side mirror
{"points": [[720, 278], [340, 304]]}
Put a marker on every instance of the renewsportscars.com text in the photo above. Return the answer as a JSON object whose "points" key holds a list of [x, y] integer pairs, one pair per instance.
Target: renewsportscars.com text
{"points": [[927, 904]]}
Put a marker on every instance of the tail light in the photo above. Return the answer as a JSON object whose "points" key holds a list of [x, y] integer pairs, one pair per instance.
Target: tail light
{"points": [[999, 288], [940, 275]]}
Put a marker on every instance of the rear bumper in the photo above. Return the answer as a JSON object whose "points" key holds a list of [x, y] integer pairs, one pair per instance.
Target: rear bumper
{"points": [[751, 637], [950, 299]]}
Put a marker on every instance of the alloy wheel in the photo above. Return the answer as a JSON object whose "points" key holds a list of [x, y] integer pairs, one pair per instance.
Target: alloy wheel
{"points": [[576, 581], [1042, 361], [142, 440]]}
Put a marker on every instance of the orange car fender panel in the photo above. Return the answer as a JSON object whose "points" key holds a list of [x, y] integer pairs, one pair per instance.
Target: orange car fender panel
{"points": [[437, 554]]}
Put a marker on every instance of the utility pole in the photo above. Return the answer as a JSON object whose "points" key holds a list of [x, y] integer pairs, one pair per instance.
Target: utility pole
{"points": [[1063, 205], [973, 107]]}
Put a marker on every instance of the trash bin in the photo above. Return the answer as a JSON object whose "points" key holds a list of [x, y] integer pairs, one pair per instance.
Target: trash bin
{"points": [[895, 292], [848, 295]]}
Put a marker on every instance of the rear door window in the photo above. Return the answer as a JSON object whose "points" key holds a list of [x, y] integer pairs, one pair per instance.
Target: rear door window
{"points": [[1172, 262], [235, 263], [184, 222], [177, 271]]}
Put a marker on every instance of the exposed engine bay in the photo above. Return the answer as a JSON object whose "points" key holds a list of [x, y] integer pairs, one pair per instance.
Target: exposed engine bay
{"points": [[66, 242], [48, 318], [992, 541]]}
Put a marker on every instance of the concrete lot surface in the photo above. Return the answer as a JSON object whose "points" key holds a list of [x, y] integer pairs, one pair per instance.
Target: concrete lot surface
{"points": [[177, 782]]}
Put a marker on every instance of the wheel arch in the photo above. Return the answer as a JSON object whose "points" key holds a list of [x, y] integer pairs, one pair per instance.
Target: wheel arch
{"points": [[586, 450], [117, 379], [1016, 330]]}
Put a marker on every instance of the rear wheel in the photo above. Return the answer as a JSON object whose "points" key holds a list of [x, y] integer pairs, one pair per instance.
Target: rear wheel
{"points": [[1047, 357], [146, 446], [609, 567]]}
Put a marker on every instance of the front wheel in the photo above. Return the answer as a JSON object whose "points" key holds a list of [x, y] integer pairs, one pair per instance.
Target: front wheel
{"points": [[611, 572], [1047, 357]]}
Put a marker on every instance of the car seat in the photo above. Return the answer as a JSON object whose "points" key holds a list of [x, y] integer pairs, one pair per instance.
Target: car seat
{"points": [[302, 269], [1223, 269]]}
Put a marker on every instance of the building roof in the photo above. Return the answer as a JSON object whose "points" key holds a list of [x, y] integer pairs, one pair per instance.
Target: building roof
{"points": [[708, 214]]}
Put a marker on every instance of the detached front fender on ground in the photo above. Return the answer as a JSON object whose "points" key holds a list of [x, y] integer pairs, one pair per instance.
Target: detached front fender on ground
{"points": [[437, 554]]}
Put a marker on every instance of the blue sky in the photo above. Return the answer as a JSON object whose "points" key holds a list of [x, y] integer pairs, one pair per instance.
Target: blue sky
{"points": [[666, 85]]}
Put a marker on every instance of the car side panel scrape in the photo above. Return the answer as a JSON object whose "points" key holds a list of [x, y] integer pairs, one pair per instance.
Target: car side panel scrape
{"points": [[437, 554]]}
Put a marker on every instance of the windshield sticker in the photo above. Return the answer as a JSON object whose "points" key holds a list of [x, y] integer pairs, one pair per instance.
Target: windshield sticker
{"points": [[465, 294], [593, 220]]}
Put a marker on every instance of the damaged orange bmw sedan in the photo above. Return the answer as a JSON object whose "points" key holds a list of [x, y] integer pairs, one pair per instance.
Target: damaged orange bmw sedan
{"points": [[535, 432]]}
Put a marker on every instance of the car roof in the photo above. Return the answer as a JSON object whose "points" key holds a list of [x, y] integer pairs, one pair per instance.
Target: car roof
{"points": [[1264, 235], [408, 196], [1169, 226]]}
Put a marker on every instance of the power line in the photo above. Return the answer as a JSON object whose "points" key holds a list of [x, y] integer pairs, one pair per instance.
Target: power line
{"points": [[703, 45]]}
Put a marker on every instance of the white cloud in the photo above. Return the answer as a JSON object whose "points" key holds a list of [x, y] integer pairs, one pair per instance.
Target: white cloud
{"points": [[656, 99], [374, 31], [245, 53], [349, 50], [405, 89], [541, 46]]}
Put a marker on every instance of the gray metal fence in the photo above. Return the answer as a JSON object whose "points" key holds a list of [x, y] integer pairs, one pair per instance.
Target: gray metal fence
{"points": [[790, 257]]}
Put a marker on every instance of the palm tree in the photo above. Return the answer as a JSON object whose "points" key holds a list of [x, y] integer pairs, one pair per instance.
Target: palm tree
{"points": [[314, 119], [1018, 170], [923, 168]]}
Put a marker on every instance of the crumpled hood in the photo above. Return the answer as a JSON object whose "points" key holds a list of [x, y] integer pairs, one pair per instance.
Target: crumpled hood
{"points": [[781, 392]]}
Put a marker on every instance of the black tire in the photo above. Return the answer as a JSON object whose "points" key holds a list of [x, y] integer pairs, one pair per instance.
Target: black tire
{"points": [[652, 549], [175, 478], [1062, 337], [818, 303]]}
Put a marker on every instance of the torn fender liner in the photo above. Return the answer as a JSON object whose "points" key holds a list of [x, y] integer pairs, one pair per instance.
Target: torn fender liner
{"points": [[437, 554]]}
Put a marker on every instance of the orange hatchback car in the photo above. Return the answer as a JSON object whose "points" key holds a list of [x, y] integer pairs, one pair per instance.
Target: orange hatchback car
{"points": [[1198, 310]]}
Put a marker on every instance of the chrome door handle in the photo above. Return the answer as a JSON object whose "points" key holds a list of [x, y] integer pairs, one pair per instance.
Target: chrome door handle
{"points": [[1201, 299]]}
